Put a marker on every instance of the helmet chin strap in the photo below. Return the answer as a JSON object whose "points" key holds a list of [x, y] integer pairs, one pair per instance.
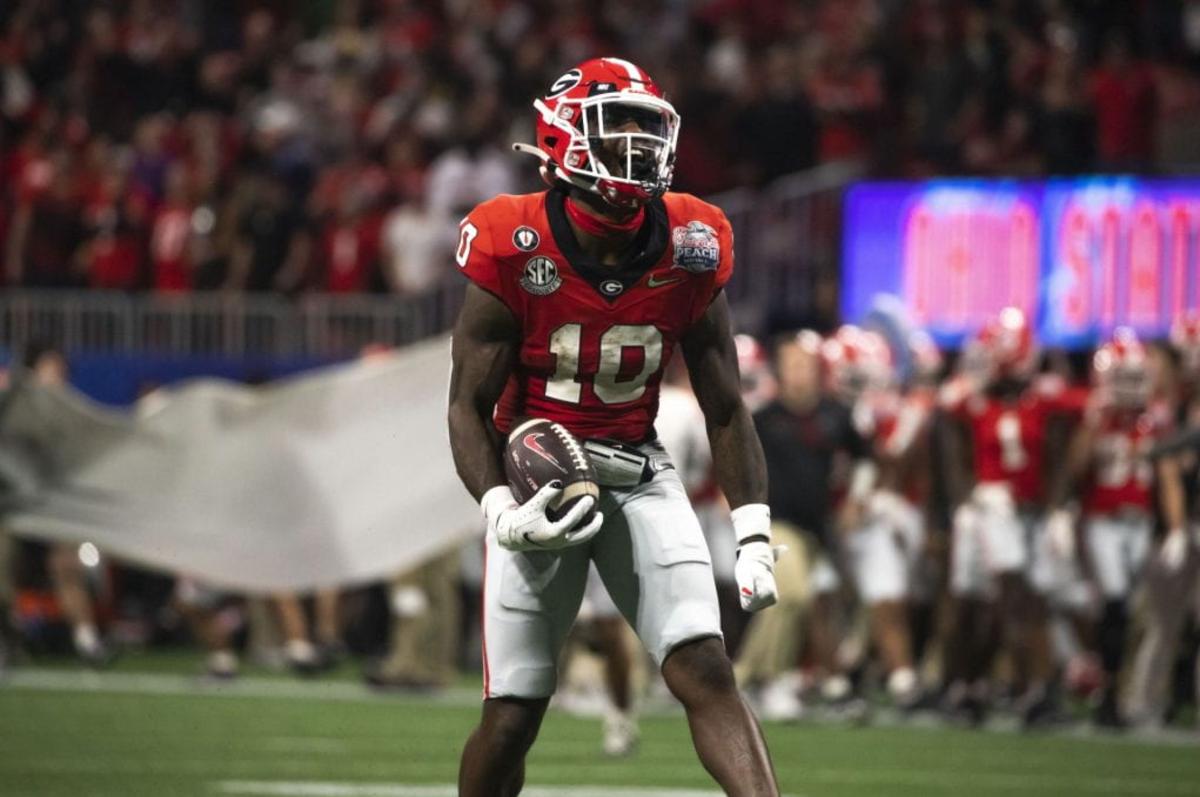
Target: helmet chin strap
{"points": [[530, 149]]}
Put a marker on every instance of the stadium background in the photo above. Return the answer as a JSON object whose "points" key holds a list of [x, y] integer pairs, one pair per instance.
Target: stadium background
{"points": [[250, 189]]}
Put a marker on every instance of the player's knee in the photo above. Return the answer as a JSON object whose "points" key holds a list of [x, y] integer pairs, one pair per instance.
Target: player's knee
{"points": [[699, 671], [1018, 600], [514, 785], [511, 726], [609, 635]]}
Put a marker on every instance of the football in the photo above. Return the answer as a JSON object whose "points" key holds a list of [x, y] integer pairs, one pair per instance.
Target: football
{"points": [[540, 451]]}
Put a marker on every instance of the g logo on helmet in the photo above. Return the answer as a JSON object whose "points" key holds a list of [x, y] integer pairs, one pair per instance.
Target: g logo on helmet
{"points": [[565, 83]]}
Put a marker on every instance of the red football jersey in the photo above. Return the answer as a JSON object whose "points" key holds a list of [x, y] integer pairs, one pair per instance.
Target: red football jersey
{"points": [[595, 339], [899, 433], [900, 420], [1120, 475], [1009, 437]]}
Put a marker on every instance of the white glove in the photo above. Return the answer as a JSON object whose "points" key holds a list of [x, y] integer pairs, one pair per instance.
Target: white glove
{"points": [[525, 527], [755, 567], [1174, 550], [966, 518], [1060, 532]]}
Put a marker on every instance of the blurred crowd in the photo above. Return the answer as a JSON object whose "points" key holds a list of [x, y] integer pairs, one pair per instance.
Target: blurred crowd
{"points": [[999, 529], [331, 145]]}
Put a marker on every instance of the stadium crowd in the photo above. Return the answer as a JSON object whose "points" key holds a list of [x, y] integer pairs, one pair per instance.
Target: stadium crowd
{"points": [[293, 145]]}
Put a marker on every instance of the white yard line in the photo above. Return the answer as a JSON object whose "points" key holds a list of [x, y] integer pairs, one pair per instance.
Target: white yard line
{"points": [[256, 686], [1016, 782], [305, 744], [302, 788]]}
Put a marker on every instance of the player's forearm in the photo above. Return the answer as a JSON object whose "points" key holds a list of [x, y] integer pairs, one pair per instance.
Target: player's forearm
{"points": [[741, 468], [1170, 494], [955, 466], [480, 370], [482, 353], [1064, 484], [472, 443]]}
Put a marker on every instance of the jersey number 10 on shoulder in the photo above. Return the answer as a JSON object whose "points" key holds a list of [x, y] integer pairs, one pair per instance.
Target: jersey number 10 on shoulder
{"points": [[565, 344]]}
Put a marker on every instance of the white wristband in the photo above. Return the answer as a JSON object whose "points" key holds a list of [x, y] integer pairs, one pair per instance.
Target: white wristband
{"points": [[862, 480], [751, 520], [495, 501]]}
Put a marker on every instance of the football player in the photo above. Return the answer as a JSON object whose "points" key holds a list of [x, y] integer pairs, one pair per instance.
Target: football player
{"points": [[578, 296], [605, 630], [887, 545], [994, 455], [1108, 455], [758, 383], [1172, 578], [806, 432]]}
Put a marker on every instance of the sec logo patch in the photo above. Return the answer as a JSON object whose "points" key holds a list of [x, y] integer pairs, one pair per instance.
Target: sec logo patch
{"points": [[541, 276]]}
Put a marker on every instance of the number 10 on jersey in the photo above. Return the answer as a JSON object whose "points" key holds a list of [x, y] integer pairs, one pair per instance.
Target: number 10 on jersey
{"points": [[566, 382]]}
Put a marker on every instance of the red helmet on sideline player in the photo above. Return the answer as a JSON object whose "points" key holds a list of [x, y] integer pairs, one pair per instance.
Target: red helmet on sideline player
{"points": [[857, 361], [584, 136], [1005, 347], [758, 383], [1121, 370], [1185, 338], [926, 358]]}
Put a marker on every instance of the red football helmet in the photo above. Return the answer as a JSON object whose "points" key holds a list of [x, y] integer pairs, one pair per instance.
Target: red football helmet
{"points": [[926, 357], [1004, 347], [1185, 338], [856, 361], [1121, 369], [604, 127], [758, 384]]}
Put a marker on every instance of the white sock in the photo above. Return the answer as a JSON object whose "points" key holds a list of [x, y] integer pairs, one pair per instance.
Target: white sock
{"points": [[902, 683], [835, 687], [87, 638], [300, 650], [223, 661]]}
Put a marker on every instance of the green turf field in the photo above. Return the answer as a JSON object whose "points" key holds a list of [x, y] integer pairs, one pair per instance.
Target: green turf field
{"points": [[65, 733]]}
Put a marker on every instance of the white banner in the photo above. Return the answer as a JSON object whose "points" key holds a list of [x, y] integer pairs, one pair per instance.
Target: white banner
{"points": [[335, 477]]}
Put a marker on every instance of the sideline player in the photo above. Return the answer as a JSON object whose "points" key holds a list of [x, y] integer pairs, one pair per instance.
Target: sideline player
{"points": [[578, 297], [804, 432], [887, 545], [1171, 582], [1107, 458], [1003, 450]]}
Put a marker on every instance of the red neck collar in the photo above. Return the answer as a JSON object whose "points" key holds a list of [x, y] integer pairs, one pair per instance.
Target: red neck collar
{"points": [[599, 226]]}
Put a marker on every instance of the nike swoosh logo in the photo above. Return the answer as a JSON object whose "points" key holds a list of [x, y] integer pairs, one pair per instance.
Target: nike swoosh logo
{"points": [[655, 282], [534, 444]]}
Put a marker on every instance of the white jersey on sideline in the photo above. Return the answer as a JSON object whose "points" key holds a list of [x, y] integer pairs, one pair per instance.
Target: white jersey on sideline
{"points": [[681, 430]]}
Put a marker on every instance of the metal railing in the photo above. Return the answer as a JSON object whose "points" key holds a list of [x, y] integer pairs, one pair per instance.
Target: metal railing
{"points": [[223, 325], [786, 235]]}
